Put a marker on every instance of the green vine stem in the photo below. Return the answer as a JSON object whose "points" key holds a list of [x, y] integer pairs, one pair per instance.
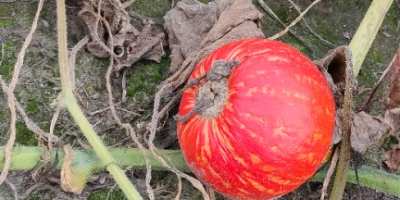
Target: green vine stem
{"points": [[68, 100], [27, 158], [371, 178], [85, 162]]}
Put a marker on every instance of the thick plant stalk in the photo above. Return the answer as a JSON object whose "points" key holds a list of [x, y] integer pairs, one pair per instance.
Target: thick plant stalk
{"points": [[27, 158], [366, 32], [342, 168], [359, 47], [68, 100], [371, 178]]}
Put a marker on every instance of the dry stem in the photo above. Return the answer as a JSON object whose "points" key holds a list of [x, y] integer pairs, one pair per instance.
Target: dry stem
{"points": [[296, 7], [276, 18], [370, 97], [329, 173], [10, 93], [40, 134], [178, 195], [51, 134], [276, 36], [2, 50], [339, 182], [72, 58], [128, 3], [126, 126], [153, 129], [95, 35]]}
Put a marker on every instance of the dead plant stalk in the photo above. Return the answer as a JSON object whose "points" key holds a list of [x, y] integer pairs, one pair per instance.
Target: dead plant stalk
{"points": [[9, 90], [278, 35], [126, 126], [359, 47]]}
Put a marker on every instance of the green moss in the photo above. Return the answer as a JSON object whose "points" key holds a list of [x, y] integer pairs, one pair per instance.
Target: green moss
{"points": [[377, 56], [8, 61], [327, 32], [46, 13], [25, 136], [4, 23], [153, 9], [389, 142], [366, 78], [392, 16], [15, 18], [283, 13], [103, 194], [35, 198], [5, 15], [32, 106], [145, 76], [295, 43]]}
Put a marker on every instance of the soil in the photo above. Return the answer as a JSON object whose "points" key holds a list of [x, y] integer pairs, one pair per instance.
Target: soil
{"points": [[39, 85]]}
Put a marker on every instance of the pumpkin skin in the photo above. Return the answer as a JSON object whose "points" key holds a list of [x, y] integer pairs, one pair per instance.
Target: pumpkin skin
{"points": [[273, 129]]}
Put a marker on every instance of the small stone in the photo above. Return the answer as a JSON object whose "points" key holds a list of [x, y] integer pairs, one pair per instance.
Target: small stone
{"points": [[102, 180], [96, 96], [45, 23]]}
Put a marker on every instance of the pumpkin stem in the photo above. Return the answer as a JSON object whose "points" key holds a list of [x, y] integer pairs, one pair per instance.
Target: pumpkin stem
{"points": [[211, 94]]}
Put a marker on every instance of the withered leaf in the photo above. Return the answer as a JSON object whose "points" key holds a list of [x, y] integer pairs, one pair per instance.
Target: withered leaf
{"points": [[366, 131], [333, 66], [71, 180], [392, 159], [337, 133], [196, 29], [129, 44], [392, 117], [394, 90]]}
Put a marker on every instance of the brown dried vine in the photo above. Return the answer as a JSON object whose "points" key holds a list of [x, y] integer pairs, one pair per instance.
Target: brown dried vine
{"points": [[9, 90]]}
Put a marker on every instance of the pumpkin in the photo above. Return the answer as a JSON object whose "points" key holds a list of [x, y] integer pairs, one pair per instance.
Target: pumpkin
{"points": [[255, 119]]}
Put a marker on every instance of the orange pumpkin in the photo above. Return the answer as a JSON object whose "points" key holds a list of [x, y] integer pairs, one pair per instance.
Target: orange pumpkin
{"points": [[267, 125]]}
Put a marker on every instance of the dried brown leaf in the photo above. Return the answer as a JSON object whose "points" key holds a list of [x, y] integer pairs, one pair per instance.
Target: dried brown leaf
{"points": [[337, 133], [196, 29], [394, 90], [129, 44], [333, 66], [392, 159], [366, 131], [72, 180], [336, 67], [392, 117]]}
